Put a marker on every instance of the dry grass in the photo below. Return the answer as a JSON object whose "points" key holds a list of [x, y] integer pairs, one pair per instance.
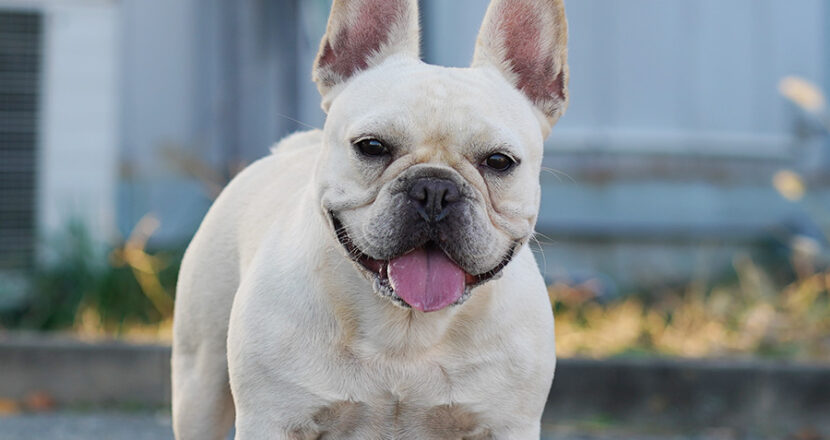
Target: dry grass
{"points": [[750, 318]]}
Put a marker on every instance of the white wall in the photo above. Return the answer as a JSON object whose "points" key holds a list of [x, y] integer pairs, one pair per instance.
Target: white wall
{"points": [[78, 114]]}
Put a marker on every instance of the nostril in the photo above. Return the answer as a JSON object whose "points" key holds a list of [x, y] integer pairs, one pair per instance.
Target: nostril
{"points": [[418, 191], [452, 194]]}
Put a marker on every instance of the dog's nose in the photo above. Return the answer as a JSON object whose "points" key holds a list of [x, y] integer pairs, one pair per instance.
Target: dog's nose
{"points": [[433, 197]]}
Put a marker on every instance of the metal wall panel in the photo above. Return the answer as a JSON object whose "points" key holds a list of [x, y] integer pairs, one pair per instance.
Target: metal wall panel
{"points": [[20, 69]]}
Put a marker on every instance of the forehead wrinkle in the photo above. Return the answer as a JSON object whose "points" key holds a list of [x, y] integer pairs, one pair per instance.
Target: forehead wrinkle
{"points": [[440, 144], [464, 123], [430, 153], [456, 134], [389, 125], [438, 137], [452, 91]]}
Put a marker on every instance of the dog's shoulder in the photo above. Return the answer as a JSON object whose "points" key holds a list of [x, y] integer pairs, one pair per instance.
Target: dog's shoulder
{"points": [[252, 201], [302, 140], [288, 166]]}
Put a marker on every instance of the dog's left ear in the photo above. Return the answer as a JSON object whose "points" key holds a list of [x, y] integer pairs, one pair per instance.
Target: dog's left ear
{"points": [[362, 34], [527, 40]]}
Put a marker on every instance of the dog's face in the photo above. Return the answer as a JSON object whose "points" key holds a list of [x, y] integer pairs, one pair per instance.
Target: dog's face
{"points": [[430, 175]]}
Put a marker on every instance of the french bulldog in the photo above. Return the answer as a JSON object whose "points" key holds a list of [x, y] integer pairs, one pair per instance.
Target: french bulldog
{"points": [[373, 280]]}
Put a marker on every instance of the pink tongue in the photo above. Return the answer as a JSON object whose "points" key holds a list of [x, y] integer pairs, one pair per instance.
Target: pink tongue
{"points": [[426, 279]]}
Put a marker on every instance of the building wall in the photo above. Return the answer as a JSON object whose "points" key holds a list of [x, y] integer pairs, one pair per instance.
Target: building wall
{"points": [[77, 151], [209, 86], [672, 75]]}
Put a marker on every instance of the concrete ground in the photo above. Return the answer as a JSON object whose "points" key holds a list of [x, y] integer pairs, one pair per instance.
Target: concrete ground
{"points": [[86, 426], [156, 426]]}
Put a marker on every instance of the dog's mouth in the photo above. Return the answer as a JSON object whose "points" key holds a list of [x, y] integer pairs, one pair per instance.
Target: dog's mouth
{"points": [[424, 278]]}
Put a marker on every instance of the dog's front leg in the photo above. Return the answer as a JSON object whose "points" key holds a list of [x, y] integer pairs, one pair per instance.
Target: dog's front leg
{"points": [[274, 414], [202, 405], [265, 360]]}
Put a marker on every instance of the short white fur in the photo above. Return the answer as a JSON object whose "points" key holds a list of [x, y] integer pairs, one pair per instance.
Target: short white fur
{"points": [[278, 331]]}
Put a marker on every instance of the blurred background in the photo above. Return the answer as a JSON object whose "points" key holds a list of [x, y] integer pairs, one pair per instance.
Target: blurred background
{"points": [[686, 192]]}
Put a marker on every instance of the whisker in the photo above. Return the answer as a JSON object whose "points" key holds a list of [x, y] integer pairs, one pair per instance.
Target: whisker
{"points": [[298, 121], [541, 251], [558, 174], [548, 240]]}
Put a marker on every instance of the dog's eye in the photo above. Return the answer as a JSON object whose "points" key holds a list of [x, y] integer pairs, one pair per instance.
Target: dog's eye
{"points": [[371, 147], [499, 162]]}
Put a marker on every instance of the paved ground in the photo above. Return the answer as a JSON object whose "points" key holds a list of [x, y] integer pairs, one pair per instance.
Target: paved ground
{"points": [[80, 426], [156, 426]]}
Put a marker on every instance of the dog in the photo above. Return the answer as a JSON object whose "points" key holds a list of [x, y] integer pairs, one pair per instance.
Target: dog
{"points": [[373, 280]]}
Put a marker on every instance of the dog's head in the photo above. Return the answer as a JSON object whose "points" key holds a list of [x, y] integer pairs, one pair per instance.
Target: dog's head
{"points": [[430, 175]]}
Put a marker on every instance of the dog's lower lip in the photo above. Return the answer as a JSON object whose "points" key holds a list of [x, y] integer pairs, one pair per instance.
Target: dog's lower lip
{"points": [[377, 267]]}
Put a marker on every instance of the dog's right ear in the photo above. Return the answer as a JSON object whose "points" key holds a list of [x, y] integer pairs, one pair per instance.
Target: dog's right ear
{"points": [[362, 34]]}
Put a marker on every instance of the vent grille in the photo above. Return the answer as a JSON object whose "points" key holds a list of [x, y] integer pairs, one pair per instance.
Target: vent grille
{"points": [[20, 47]]}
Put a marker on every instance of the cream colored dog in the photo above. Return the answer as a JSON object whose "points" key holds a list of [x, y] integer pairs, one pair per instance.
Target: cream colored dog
{"points": [[373, 280]]}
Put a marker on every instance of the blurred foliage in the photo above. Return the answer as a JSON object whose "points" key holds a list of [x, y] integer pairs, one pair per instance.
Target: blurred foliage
{"points": [[804, 94], [753, 316], [125, 291]]}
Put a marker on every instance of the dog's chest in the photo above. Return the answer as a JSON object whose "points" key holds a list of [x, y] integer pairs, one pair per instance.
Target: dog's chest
{"points": [[394, 420], [404, 401]]}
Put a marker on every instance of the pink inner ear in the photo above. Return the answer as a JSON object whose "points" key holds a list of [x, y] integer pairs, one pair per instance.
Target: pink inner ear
{"points": [[362, 36], [522, 31]]}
